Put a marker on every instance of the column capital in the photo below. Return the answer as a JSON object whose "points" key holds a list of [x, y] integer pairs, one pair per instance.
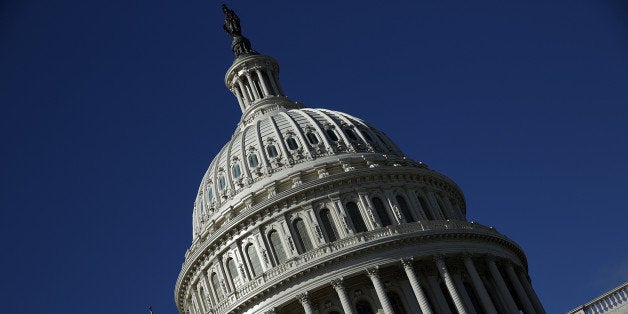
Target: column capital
{"points": [[372, 271], [337, 283], [303, 297], [406, 262]]}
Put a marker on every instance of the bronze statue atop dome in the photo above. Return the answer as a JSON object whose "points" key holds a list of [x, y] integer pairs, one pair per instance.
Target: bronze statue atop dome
{"points": [[240, 45]]}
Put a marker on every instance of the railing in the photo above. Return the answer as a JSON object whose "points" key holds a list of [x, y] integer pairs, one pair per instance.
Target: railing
{"points": [[345, 244], [607, 302]]}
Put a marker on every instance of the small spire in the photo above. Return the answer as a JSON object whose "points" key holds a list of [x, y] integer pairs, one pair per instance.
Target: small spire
{"points": [[240, 45]]}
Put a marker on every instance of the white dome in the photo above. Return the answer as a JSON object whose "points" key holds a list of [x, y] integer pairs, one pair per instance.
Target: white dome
{"points": [[275, 145]]}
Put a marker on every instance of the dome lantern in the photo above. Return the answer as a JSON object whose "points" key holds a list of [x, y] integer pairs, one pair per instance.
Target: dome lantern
{"points": [[253, 78]]}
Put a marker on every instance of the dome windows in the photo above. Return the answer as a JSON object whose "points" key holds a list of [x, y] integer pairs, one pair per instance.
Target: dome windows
{"points": [[351, 134], [311, 137], [222, 183], [253, 161], [272, 151], [302, 237], [367, 136], [292, 143], [235, 170], [356, 217], [381, 211], [251, 254], [276, 246], [404, 208], [332, 135]]}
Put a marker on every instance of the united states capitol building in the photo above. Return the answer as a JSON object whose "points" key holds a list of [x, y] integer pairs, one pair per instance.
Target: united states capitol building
{"points": [[316, 211]]}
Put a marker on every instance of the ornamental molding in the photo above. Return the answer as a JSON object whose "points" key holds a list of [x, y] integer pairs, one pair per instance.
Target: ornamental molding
{"points": [[406, 235]]}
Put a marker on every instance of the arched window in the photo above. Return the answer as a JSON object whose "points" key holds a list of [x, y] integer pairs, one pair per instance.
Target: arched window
{"points": [[292, 143], [253, 161], [405, 209], [276, 246], [328, 225], [381, 211], [210, 194], [425, 207], [363, 307], [356, 217], [303, 239], [233, 270], [251, 255], [332, 135], [216, 286], [351, 134], [221, 182], [395, 302], [235, 170], [272, 151], [311, 137]]}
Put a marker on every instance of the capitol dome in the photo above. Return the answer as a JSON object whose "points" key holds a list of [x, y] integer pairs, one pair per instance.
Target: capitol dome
{"points": [[315, 211]]}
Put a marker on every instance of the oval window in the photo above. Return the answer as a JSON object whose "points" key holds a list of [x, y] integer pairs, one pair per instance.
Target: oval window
{"points": [[311, 137], [272, 151], [292, 143], [253, 162], [332, 135], [235, 170], [221, 182], [351, 134]]}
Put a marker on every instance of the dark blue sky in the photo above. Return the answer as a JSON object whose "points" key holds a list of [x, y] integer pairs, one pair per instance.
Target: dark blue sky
{"points": [[110, 112]]}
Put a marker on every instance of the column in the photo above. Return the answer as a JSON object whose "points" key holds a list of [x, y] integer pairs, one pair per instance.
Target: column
{"points": [[236, 91], [342, 295], [449, 282], [523, 278], [462, 291], [372, 272], [527, 305], [305, 302], [262, 83], [438, 294], [416, 286], [245, 93], [252, 85], [485, 299], [274, 83], [501, 286]]}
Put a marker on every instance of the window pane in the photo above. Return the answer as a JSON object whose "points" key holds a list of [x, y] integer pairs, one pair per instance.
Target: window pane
{"points": [[222, 183], [272, 151], [233, 271], [216, 286], [292, 143], [276, 246], [332, 135], [351, 134], [253, 162], [312, 138], [236, 171], [302, 236], [330, 228], [356, 217], [381, 211], [251, 253], [405, 209]]}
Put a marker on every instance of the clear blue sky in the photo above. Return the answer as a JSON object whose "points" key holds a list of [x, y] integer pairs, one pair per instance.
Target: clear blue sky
{"points": [[110, 113]]}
